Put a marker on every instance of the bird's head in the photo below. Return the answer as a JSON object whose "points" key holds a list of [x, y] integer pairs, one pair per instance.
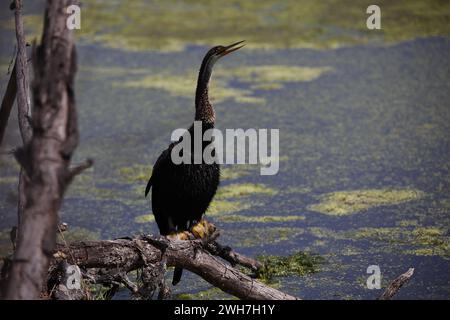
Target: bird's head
{"points": [[218, 52]]}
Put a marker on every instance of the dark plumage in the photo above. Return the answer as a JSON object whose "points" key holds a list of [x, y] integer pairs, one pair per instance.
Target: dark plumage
{"points": [[182, 193]]}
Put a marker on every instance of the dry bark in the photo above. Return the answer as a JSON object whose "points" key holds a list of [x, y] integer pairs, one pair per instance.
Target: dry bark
{"points": [[21, 68], [45, 159]]}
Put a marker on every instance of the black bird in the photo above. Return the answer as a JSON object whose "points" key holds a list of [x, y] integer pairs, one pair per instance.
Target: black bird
{"points": [[182, 192]]}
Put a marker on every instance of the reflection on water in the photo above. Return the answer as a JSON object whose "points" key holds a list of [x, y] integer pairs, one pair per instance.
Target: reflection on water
{"points": [[364, 132]]}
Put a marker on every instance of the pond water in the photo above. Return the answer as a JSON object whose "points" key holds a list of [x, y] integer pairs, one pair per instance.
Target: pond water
{"points": [[364, 156]]}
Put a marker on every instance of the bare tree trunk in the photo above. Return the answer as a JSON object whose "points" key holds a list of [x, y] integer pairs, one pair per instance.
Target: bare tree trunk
{"points": [[46, 157]]}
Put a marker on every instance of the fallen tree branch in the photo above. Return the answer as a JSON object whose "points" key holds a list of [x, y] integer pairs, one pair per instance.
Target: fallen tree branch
{"points": [[125, 255], [234, 258], [396, 284]]}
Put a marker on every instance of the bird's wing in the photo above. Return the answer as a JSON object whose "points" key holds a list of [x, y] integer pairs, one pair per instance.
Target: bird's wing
{"points": [[162, 157]]}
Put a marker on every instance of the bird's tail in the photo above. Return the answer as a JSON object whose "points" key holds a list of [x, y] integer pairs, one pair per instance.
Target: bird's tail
{"points": [[177, 273]]}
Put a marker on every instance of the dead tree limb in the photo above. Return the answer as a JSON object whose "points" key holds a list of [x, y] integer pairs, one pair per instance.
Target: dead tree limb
{"points": [[21, 68], [396, 284], [45, 159], [125, 255], [7, 103]]}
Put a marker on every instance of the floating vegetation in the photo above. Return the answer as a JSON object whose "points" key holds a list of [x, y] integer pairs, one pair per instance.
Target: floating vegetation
{"points": [[243, 190], [9, 180], [235, 171], [260, 236], [348, 202], [212, 293], [184, 86], [135, 173], [145, 218], [78, 234], [171, 25], [226, 206], [266, 77], [424, 240], [297, 264], [269, 77], [259, 219]]}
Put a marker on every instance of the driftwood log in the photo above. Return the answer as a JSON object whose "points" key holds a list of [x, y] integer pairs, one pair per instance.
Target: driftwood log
{"points": [[116, 258]]}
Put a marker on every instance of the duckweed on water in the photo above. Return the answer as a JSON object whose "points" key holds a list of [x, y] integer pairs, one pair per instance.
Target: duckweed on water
{"points": [[425, 240], [208, 294], [171, 25], [259, 219], [260, 236], [347, 202], [297, 264], [235, 172], [267, 77], [78, 234], [226, 206], [243, 190], [135, 173], [421, 241], [145, 218]]}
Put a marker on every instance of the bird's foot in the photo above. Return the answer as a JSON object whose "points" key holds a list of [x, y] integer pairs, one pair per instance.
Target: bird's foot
{"points": [[181, 235], [203, 229]]}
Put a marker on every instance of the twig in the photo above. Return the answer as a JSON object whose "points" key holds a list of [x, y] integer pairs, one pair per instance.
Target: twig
{"points": [[79, 168], [228, 254], [396, 284]]}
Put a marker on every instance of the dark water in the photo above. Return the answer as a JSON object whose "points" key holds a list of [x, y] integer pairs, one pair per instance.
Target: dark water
{"points": [[379, 119]]}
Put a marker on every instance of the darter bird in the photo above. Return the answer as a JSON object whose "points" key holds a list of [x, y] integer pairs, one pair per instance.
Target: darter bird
{"points": [[182, 192]]}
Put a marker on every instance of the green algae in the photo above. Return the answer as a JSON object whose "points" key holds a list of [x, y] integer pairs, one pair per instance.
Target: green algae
{"points": [[270, 77], [212, 293], [259, 219], [78, 234], [415, 240], [9, 180], [267, 24], [235, 172], [424, 240], [260, 236], [218, 207], [348, 202], [298, 264], [145, 218], [234, 197], [184, 86], [266, 77], [135, 173], [238, 190]]}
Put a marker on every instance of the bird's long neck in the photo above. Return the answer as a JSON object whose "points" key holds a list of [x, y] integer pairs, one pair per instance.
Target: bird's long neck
{"points": [[204, 111]]}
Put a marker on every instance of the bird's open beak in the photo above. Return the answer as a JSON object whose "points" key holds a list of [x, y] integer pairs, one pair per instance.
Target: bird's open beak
{"points": [[231, 48]]}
